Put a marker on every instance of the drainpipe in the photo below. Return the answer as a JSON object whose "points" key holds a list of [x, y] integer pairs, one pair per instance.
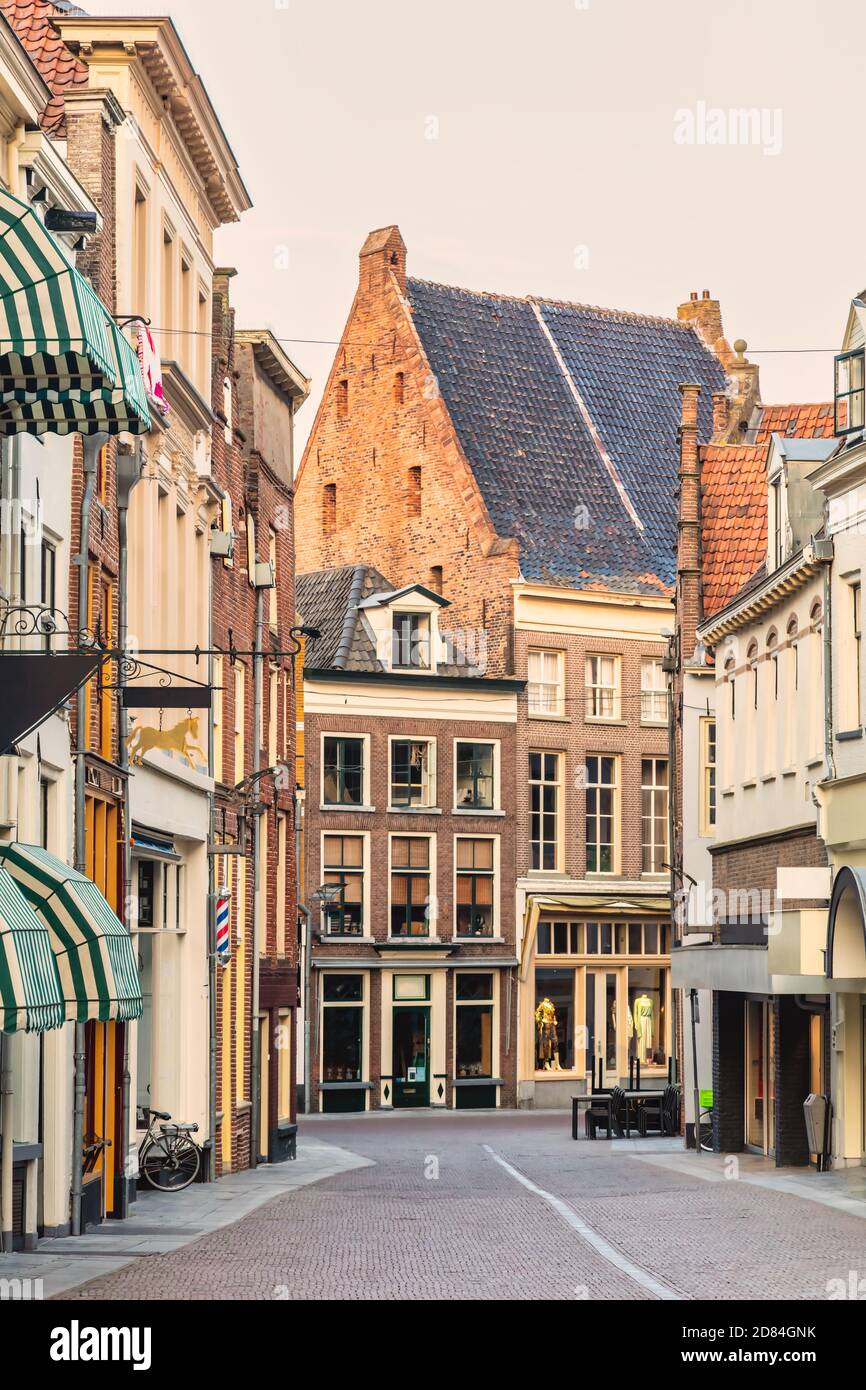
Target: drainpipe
{"points": [[255, 1049], [129, 467], [828, 673], [308, 950], [92, 444], [212, 886]]}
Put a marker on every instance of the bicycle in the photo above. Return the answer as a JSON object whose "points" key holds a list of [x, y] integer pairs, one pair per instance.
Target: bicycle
{"points": [[169, 1160], [705, 1122]]}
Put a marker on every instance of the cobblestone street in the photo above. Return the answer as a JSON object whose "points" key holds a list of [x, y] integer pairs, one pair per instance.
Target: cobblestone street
{"points": [[507, 1206]]}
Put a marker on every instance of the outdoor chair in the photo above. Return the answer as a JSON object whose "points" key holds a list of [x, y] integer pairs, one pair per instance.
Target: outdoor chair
{"points": [[608, 1117]]}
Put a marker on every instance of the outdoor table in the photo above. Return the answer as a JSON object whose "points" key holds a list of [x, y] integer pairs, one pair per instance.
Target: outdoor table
{"points": [[638, 1095]]}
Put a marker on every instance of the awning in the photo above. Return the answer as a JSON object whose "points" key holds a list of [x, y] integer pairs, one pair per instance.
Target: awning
{"points": [[31, 999], [92, 948], [32, 686], [64, 365]]}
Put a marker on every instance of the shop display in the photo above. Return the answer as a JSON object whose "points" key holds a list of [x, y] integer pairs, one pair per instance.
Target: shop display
{"points": [[547, 1041]]}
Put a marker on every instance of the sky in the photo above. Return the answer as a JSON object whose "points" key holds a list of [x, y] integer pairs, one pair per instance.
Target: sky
{"points": [[589, 150]]}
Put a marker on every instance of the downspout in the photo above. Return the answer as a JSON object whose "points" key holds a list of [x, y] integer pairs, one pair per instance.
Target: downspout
{"points": [[92, 445], [255, 1049], [128, 475], [7, 1152], [211, 902], [308, 950], [828, 674]]}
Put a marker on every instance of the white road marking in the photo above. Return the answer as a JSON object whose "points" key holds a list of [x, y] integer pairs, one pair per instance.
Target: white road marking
{"points": [[608, 1252]]}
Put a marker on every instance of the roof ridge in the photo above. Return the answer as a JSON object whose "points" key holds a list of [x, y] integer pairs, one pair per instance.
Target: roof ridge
{"points": [[350, 621], [632, 314]]}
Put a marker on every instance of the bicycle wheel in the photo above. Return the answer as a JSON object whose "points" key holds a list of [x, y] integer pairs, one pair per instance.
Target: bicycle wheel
{"points": [[705, 1131], [171, 1162]]}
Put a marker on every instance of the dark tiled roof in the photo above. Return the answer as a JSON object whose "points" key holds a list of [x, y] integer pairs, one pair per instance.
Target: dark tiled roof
{"points": [[568, 416], [58, 66], [733, 519]]}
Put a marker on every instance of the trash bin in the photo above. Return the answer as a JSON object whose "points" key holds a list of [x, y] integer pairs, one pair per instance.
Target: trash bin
{"points": [[815, 1108]]}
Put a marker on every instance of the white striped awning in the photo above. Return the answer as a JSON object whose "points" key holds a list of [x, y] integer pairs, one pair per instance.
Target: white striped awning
{"points": [[64, 365], [31, 999], [92, 948]]}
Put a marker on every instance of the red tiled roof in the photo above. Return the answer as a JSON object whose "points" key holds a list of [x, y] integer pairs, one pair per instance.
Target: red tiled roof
{"points": [[733, 519], [798, 421], [59, 68]]}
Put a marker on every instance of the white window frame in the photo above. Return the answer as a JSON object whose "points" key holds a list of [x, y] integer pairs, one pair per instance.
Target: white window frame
{"points": [[496, 808], [432, 900], [603, 697], [616, 787], [709, 767], [364, 837], [496, 927], [655, 788], [560, 808], [546, 690], [365, 772], [432, 773], [655, 696]]}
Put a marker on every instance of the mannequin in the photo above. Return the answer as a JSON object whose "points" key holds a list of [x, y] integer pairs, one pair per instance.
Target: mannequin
{"points": [[546, 1038], [642, 1013]]}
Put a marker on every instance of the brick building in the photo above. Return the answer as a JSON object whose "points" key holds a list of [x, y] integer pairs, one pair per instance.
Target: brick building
{"points": [[411, 833], [519, 455], [750, 638], [257, 390]]}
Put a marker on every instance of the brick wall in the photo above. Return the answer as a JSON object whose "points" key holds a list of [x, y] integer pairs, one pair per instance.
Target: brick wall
{"points": [[368, 435], [576, 737], [792, 1080], [729, 1072]]}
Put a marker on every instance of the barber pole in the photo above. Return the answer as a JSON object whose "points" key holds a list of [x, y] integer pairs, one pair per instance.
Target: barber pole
{"points": [[223, 934]]}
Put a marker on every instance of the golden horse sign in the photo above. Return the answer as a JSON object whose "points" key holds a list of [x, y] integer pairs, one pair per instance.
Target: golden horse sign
{"points": [[181, 738]]}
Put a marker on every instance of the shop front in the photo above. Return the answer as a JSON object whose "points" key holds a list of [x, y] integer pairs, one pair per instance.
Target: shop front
{"points": [[409, 1037], [596, 1004]]}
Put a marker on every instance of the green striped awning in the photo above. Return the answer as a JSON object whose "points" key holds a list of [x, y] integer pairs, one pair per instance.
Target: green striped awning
{"points": [[92, 948], [65, 367], [31, 999]]}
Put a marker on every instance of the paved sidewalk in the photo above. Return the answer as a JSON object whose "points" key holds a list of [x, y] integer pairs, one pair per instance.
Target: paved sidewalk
{"points": [[163, 1222]]}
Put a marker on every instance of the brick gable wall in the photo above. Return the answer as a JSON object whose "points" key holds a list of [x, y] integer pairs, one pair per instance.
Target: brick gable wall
{"points": [[368, 434]]}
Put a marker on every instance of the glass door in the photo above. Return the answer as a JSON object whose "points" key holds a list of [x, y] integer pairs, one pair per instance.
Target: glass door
{"points": [[411, 1054], [760, 1094], [601, 1023]]}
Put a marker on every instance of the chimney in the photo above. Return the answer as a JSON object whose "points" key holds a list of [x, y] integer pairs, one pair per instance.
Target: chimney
{"points": [[383, 254], [704, 314], [689, 599], [720, 415]]}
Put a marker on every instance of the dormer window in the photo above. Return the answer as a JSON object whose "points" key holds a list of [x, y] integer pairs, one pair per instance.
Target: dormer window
{"points": [[849, 393], [410, 641]]}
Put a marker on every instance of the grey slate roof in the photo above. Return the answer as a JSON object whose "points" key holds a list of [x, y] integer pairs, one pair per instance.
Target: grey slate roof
{"points": [[568, 415], [329, 599]]}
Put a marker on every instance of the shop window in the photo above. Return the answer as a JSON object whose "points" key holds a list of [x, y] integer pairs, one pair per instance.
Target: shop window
{"points": [[410, 885], [602, 687], [554, 1020], [410, 641], [544, 810], [343, 772], [474, 787], [342, 1028], [474, 1026], [474, 906], [412, 772], [601, 807], [343, 866], [545, 683], [654, 815], [646, 1014]]}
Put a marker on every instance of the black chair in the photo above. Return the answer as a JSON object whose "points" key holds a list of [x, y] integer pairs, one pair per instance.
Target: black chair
{"points": [[609, 1116], [660, 1114]]}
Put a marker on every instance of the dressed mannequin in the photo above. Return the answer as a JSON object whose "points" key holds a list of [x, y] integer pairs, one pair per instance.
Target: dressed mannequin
{"points": [[546, 1044], [642, 1013]]}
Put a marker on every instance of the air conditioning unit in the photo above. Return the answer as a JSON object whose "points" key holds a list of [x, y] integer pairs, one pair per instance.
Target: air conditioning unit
{"points": [[264, 576], [222, 544]]}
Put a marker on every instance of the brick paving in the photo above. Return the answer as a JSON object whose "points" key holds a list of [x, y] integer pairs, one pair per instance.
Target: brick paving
{"points": [[436, 1217]]}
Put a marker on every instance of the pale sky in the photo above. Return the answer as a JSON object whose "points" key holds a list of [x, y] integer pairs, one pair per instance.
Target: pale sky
{"points": [[555, 169]]}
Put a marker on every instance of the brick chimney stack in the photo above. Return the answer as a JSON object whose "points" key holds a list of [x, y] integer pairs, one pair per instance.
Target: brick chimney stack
{"points": [[721, 407], [384, 251], [689, 560], [705, 316]]}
